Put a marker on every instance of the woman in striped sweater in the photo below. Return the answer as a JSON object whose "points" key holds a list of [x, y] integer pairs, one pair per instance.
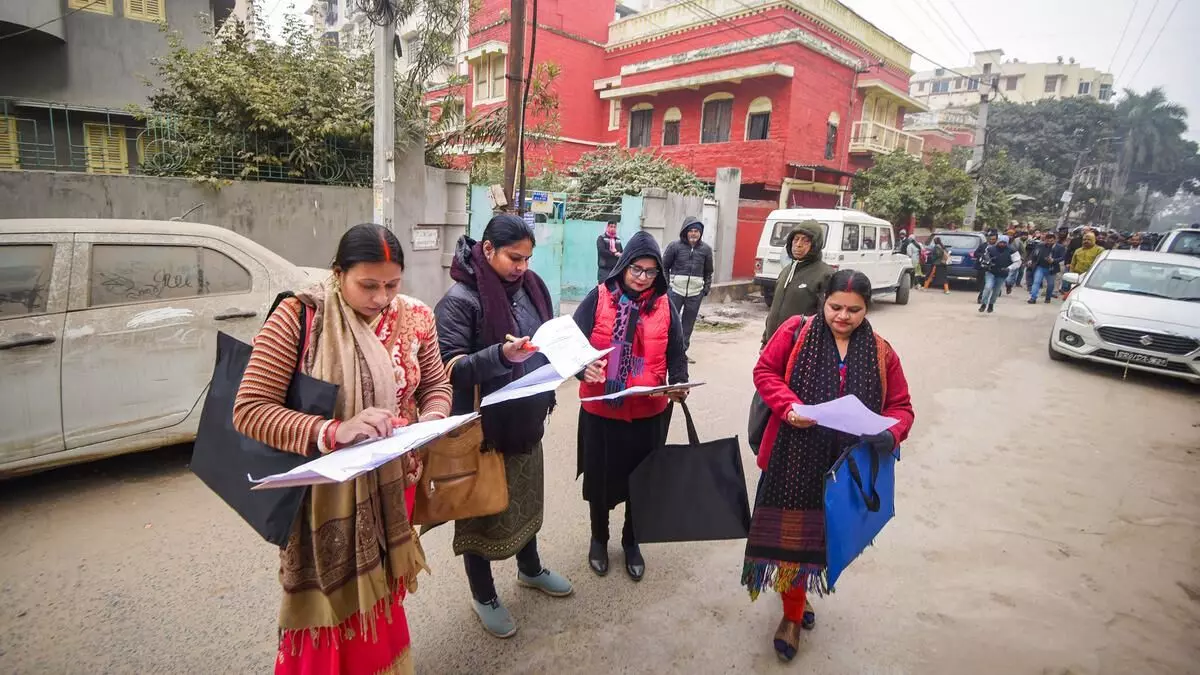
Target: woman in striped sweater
{"points": [[352, 555]]}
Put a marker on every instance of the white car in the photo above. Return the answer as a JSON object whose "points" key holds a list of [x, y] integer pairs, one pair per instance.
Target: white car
{"points": [[1134, 309], [853, 240], [1182, 240], [108, 331]]}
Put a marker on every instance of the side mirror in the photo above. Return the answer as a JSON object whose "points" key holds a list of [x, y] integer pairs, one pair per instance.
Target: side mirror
{"points": [[1071, 278]]}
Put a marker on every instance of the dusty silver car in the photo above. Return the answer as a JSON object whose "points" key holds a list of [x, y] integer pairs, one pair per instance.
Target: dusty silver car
{"points": [[1134, 309], [108, 331]]}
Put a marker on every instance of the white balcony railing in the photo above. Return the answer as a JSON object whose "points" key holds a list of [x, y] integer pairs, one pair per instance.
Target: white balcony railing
{"points": [[684, 14], [876, 137]]}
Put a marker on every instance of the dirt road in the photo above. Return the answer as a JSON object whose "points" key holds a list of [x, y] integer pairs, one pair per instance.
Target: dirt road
{"points": [[1048, 522]]}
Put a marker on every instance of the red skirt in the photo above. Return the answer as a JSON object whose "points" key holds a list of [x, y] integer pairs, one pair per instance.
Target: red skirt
{"points": [[357, 646]]}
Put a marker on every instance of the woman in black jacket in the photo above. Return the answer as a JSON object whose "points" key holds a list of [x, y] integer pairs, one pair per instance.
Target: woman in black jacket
{"points": [[495, 295]]}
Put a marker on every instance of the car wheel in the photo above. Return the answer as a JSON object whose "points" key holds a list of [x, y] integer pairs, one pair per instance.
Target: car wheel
{"points": [[1054, 355], [904, 289], [768, 295]]}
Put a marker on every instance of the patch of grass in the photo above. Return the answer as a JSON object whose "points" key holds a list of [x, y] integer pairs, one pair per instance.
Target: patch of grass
{"points": [[717, 327]]}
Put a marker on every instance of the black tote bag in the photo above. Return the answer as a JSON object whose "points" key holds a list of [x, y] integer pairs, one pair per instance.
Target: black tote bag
{"points": [[223, 458], [693, 492]]}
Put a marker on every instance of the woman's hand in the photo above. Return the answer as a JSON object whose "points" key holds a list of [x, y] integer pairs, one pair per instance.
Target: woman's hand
{"points": [[594, 373], [369, 424], [413, 467], [518, 350], [678, 395], [798, 421]]}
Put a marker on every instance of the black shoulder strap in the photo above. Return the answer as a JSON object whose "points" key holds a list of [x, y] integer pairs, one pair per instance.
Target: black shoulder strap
{"points": [[303, 321], [799, 329]]}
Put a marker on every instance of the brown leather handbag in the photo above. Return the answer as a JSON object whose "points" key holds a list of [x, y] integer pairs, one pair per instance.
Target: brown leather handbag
{"points": [[460, 480]]}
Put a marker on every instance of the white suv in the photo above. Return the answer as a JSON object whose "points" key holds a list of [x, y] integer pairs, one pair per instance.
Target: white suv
{"points": [[853, 240], [1183, 240]]}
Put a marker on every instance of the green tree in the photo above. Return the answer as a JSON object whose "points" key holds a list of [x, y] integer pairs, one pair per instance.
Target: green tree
{"points": [[895, 188], [949, 188], [298, 110], [604, 175], [1155, 156]]}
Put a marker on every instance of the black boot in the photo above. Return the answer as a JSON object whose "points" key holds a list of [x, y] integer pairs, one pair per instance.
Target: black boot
{"points": [[635, 565], [990, 308], [598, 557], [982, 307]]}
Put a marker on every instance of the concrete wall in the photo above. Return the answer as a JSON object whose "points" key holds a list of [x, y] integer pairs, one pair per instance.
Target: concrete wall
{"points": [[31, 13], [103, 55], [300, 222]]}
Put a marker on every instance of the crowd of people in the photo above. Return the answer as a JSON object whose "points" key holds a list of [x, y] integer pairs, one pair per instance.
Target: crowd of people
{"points": [[353, 554], [1022, 257]]}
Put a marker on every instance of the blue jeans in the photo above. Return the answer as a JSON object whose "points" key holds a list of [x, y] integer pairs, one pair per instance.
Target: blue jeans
{"points": [[1041, 274], [991, 287]]}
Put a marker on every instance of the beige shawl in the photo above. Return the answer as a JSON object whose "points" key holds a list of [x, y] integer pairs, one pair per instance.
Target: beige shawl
{"points": [[353, 546]]}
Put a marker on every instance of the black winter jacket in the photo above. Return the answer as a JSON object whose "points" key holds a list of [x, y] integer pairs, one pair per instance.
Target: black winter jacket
{"points": [[684, 261]]}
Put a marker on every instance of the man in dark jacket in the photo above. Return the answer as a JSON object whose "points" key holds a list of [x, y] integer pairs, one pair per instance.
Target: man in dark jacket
{"points": [[802, 282], [980, 265], [689, 266], [1046, 260], [608, 251], [996, 262]]}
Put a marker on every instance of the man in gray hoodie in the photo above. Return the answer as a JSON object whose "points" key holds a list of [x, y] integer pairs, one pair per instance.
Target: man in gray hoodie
{"points": [[689, 266]]}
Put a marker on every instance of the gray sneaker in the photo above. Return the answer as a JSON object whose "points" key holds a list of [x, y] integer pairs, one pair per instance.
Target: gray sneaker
{"points": [[550, 583], [495, 618]]}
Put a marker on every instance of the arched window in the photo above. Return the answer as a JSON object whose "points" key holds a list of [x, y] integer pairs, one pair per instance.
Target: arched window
{"points": [[831, 135], [641, 117], [758, 119], [671, 120], [716, 118]]}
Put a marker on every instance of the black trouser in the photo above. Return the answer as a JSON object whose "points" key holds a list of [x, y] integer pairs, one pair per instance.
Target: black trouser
{"points": [[479, 571], [599, 515], [689, 309], [980, 281]]}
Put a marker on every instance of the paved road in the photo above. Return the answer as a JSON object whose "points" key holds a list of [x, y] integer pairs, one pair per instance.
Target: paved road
{"points": [[1048, 523]]}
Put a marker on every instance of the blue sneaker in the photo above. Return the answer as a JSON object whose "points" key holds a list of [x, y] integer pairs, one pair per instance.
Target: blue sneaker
{"points": [[550, 583], [495, 618]]}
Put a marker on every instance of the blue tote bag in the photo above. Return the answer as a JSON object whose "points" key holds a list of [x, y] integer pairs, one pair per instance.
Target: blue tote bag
{"points": [[860, 498]]}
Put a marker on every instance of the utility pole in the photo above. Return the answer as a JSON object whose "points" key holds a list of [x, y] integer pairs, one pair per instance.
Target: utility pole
{"points": [[512, 132], [1066, 202], [976, 163], [384, 178]]}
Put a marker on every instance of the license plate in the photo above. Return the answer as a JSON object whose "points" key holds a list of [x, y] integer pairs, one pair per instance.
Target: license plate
{"points": [[955, 259], [1131, 357]]}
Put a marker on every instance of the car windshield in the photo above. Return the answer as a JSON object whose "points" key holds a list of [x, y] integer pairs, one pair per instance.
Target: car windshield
{"points": [[1187, 243], [1142, 277], [957, 240], [782, 228]]}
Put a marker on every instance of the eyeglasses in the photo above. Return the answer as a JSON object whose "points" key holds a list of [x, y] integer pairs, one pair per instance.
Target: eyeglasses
{"points": [[644, 272]]}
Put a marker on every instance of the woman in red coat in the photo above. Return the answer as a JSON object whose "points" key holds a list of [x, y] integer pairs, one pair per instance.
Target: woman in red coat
{"points": [[835, 354]]}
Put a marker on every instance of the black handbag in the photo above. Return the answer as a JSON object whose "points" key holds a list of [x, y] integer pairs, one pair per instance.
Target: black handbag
{"points": [[760, 414], [693, 492], [224, 458]]}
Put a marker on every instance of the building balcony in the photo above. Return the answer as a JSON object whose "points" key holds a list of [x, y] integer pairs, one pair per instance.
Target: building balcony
{"points": [[952, 120], [37, 16], [879, 138], [682, 16]]}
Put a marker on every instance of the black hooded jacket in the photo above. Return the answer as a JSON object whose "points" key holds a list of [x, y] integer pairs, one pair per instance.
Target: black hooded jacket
{"points": [[642, 245], [459, 318], [692, 264]]}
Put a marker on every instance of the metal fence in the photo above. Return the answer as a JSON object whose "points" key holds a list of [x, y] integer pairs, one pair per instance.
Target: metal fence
{"points": [[50, 137]]}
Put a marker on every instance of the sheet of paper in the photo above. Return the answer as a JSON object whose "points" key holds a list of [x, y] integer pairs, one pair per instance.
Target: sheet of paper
{"points": [[539, 381], [566, 347], [643, 391], [846, 414], [347, 463]]}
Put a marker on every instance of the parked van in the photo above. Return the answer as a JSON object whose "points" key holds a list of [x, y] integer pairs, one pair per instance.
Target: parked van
{"points": [[853, 240]]}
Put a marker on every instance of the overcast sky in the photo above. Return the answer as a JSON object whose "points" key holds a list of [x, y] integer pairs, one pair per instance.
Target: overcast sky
{"points": [[947, 31]]}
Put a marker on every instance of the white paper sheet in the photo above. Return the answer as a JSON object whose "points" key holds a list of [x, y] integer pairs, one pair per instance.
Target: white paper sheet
{"points": [[539, 381], [846, 414], [347, 463], [643, 391], [566, 347]]}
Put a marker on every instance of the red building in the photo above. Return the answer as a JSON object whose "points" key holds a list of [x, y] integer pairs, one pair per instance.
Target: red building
{"points": [[799, 94]]}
